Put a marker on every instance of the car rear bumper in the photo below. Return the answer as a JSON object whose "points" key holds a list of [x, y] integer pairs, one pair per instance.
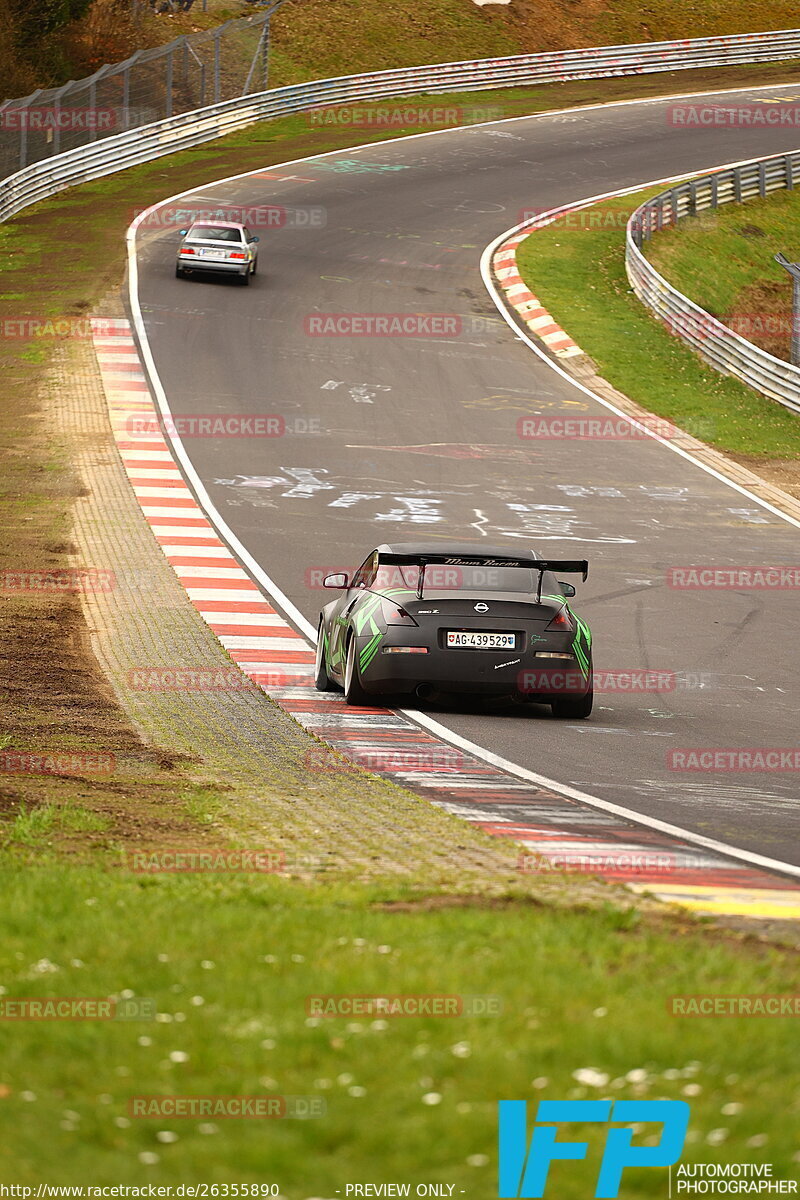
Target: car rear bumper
{"points": [[192, 263], [526, 672]]}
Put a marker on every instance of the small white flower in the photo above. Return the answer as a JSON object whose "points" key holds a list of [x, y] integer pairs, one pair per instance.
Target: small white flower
{"points": [[380, 1025], [692, 1089], [162, 957], [164, 1018], [121, 1122], [298, 958], [92, 900], [730, 1110], [76, 962], [178, 1056], [104, 1098], [127, 994], [27, 1096], [44, 967], [541, 1081], [477, 1160], [356, 1090], [637, 1075], [207, 964], [463, 1107], [166, 1136], [70, 1115], [323, 1083], [207, 1127], [420, 1051], [600, 1012], [269, 958], [149, 1158], [716, 1137], [342, 941], [758, 1139], [179, 1016], [344, 1079], [384, 949], [431, 1098], [354, 1027], [197, 1001], [267, 1082], [461, 1050], [68, 1125], [359, 941], [591, 1077], [268, 1044], [672, 1073]]}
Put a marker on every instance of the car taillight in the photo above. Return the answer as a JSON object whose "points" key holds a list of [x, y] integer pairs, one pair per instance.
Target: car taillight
{"points": [[395, 614], [235, 254], [186, 250], [561, 622]]}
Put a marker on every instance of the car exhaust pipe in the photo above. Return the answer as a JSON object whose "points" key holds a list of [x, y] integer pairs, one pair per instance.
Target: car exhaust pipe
{"points": [[423, 691]]}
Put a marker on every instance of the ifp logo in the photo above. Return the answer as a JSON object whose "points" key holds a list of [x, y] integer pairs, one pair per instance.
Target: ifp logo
{"points": [[523, 1171]]}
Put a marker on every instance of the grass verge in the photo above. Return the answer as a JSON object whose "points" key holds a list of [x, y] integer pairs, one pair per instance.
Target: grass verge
{"points": [[408, 1099], [577, 268], [747, 289]]}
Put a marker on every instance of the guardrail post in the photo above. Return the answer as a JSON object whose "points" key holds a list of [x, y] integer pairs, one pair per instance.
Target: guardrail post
{"points": [[715, 192], [168, 98], [737, 184], [762, 180], [693, 199], [789, 172]]}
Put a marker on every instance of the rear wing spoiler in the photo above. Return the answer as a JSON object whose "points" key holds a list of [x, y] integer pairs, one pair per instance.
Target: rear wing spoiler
{"points": [[567, 566]]}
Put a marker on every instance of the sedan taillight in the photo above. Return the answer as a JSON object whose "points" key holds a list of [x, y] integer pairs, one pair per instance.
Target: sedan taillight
{"points": [[235, 254], [186, 250], [561, 622]]}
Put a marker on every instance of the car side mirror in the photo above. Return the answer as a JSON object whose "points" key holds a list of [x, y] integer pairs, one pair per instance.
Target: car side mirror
{"points": [[183, 232], [568, 589], [338, 580], [253, 239]]}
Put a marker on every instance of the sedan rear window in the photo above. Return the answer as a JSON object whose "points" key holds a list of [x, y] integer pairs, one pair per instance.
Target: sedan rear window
{"points": [[214, 233]]}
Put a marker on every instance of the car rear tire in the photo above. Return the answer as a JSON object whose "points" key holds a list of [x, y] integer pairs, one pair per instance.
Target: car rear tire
{"points": [[178, 272], [254, 267], [353, 691], [321, 681], [245, 279], [577, 708]]}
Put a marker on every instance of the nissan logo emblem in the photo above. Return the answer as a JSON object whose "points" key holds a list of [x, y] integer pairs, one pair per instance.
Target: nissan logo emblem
{"points": [[481, 607]]}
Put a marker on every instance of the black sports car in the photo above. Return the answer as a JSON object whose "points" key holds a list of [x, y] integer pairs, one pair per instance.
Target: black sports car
{"points": [[420, 618]]}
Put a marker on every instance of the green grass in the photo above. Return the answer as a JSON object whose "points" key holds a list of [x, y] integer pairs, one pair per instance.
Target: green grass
{"points": [[746, 286], [230, 963], [578, 272]]}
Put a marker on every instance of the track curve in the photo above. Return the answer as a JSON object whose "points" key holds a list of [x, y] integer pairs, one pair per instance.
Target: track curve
{"points": [[420, 435]]}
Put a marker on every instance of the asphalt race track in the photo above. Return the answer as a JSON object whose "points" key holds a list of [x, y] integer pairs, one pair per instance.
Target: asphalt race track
{"points": [[410, 437]]}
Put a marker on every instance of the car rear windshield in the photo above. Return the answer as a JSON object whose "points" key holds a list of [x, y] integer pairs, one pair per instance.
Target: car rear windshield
{"points": [[441, 577], [214, 233]]}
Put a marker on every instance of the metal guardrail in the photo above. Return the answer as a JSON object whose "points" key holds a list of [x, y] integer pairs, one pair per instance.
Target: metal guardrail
{"points": [[102, 156], [720, 346]]}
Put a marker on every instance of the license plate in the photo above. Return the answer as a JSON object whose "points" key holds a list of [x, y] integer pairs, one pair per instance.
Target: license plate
{"points": [[480, 641], [213, 253]]}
